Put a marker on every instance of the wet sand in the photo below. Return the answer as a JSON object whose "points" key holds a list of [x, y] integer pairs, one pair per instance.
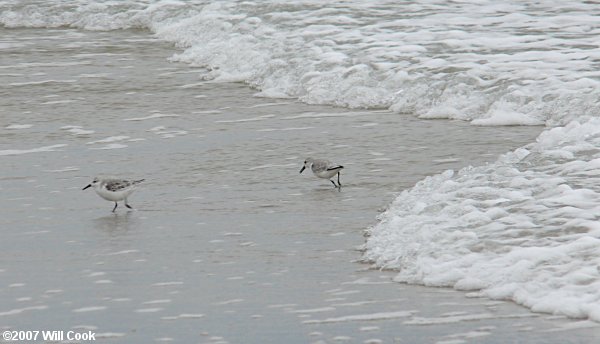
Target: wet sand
{"points": [[228, 242]]}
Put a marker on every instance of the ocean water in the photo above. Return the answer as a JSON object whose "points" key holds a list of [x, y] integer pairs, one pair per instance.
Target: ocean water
{"points": [[482, 61], [229, 243]]}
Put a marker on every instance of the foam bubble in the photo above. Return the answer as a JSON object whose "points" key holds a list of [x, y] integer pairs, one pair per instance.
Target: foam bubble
{"points": [[363, 317], [77, 130], [109, 139], [19, 126], [51, 148], [153, 116], [112, 146], [89, 309], [21, 310]]}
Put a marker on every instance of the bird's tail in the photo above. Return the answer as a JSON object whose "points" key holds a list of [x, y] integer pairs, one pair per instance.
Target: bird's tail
{"points": [[138, 181], [338, 167]]}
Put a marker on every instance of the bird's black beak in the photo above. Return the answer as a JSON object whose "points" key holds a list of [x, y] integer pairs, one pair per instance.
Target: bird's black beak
{"points": [[302, 169], [87, 187]]}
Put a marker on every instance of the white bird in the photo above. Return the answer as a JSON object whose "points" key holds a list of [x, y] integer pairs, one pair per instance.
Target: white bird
{"points": [[323, 169], [113, 189]]}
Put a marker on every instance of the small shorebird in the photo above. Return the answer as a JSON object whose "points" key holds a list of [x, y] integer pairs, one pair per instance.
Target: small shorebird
{"points": [[113, 189], [323, 169]]}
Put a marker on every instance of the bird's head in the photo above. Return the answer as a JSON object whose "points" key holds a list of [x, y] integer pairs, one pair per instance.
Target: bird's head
{"points": [[307, 163], [94, 183]]}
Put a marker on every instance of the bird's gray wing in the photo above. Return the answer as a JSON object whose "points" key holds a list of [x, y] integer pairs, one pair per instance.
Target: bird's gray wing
{"points": [[117, 184]]}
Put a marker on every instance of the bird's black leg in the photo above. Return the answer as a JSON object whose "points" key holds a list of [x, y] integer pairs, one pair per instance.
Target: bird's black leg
{"points": [[126, 204], [339, 184], [116, 204], [332, 182]]}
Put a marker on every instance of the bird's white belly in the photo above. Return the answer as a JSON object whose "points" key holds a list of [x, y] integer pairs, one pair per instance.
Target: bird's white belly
{"points": [[113, 196], [326, 174]]}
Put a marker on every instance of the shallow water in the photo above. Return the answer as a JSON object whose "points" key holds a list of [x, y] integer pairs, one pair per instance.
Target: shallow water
{"points": [[228, 242]]}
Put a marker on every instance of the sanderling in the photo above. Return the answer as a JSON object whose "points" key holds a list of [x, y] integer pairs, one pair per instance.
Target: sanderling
{"points": [[113, 189], [323, 169]]}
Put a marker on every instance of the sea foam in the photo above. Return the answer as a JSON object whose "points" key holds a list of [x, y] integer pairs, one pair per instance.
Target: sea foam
{"points": [[523, 228], [495, 64]]}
